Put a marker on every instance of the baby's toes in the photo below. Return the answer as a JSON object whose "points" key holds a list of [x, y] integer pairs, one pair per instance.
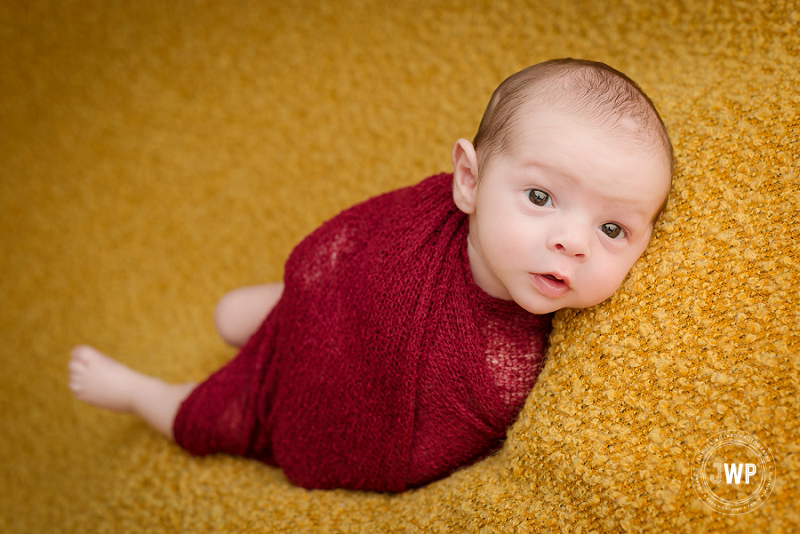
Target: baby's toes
{"points": [[78, 367], [83, 354], [76, 371]]}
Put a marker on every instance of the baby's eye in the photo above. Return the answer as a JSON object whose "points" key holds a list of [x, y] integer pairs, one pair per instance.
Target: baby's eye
{"points": [[611, 230], [540, 198]]}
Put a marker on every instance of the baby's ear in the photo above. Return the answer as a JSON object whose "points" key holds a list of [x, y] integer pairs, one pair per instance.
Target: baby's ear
{"points": [[465, 175]]}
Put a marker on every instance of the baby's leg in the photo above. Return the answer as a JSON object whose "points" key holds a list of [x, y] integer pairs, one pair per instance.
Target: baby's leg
{"points": [[241, 311], [99, 380]]}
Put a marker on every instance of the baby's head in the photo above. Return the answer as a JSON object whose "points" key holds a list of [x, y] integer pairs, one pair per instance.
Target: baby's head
{"points": [[568, 172]]}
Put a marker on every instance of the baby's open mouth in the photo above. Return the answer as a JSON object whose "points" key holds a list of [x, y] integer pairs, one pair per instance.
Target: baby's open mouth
{"points": [[550, 285]]}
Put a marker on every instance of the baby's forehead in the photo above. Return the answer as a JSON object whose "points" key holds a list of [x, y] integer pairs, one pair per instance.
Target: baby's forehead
{"points": [[554, 138], [641, 130]]}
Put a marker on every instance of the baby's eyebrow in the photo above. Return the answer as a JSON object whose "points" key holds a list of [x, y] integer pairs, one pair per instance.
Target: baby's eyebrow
{"points": [[553, 172], [620, 202]]}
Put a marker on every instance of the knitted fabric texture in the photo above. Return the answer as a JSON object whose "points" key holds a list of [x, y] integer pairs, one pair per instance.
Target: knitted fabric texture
{"points": [[383, 366]]}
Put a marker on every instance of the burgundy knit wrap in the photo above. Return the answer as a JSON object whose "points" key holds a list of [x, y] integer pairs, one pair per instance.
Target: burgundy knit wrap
{"points": [[383, 367]]}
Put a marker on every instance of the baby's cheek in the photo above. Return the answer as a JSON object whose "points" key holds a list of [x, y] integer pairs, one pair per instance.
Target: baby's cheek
{"points": [[509, 250], [608, 279], [504, 244], [615, 278]]}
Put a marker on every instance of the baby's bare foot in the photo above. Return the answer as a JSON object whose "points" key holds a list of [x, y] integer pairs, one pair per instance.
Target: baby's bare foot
{"points": [[102, 381]]}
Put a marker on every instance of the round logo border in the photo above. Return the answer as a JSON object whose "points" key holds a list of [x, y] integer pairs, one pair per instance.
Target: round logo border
{"points": [[700, 481]]}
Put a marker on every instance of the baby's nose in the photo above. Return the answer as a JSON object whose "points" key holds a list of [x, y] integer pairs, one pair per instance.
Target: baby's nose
{"points": [[572, 242], [570, 250]]}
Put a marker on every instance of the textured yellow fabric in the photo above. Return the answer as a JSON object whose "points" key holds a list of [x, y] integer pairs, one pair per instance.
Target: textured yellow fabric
{"points": [[155, 154]]}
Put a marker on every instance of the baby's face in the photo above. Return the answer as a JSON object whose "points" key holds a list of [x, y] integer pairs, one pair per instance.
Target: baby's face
{"points": [[560, 220]]}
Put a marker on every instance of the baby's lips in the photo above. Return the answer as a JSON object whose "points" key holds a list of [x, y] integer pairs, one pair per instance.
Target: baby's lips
{"points": [[550, 285], [557, 277]]}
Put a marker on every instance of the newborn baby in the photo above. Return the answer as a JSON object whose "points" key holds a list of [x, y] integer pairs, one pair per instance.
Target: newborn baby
{"points": [[410, 328]]}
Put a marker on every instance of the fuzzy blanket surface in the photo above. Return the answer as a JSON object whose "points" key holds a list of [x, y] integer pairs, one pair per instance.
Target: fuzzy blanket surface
{"points": [[154, 155]]}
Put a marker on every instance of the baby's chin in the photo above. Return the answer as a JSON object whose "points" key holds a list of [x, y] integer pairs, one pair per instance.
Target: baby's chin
{"points": [[543, 308], [539, 308]]}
